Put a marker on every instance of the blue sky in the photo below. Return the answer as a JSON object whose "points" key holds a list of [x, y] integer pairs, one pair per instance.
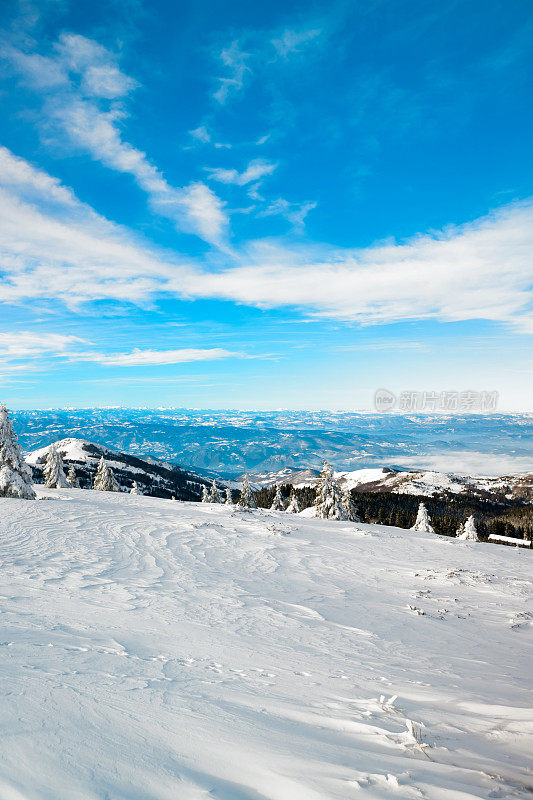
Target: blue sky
{"points": [[261, 205]]}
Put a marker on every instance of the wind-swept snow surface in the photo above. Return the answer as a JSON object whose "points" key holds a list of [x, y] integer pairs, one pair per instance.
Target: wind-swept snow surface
{"points": [[169, 651]]}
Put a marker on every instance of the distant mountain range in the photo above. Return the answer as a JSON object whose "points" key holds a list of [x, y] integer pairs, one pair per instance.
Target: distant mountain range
{"points": [[162, 479], [225, 443], [154, 477]]}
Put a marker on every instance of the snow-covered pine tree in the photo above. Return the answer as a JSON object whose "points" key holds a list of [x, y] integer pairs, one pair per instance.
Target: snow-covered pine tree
{"points": [[467, 531], [246, 500], [294, 505], [348, 507], [104, 480], [423, 522], [205, 495], [15, 475], [229, 499], [53, 472], [135, 488], [214, 496], [72, 478], [328, 499], [277, 503]]}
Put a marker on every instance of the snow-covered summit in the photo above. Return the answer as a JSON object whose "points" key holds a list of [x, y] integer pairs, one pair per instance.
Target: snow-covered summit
{"points": [[178, 650], [153, 477]]}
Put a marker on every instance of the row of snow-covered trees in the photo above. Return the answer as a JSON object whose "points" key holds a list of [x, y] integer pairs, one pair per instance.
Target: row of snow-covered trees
{"points": [[466, 531], [55, 478], [493, 516], [330, 501]]}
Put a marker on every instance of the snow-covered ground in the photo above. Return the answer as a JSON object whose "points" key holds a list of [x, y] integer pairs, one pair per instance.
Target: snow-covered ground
{"points": [[154, 650]]}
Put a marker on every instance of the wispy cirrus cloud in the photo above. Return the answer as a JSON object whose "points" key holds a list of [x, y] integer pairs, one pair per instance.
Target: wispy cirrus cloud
{"points": [[26, 344], [23, 349], [293, 40], [29, 351], [480, 270], [142, 358], [83, 107], [254, 51], [201, 134], [256, 169], [54, 246], [236, 63], [295, 213]]}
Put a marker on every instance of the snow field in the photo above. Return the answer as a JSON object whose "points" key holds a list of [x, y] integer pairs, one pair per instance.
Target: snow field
{"points": [[153, 650]]}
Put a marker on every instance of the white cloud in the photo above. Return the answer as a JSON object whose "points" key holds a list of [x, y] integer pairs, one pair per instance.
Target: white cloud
{"points": [[28, 182], [257, 168], [22, 351], [54, 246], [74, 113], [26, 344], [295, 213], [194, 208], [35, 70], [467, 462], [482, 270], [235, 60], [30, 348], [78, 52], [107, 81], [201, 134], [291, 41], [141, 358]]}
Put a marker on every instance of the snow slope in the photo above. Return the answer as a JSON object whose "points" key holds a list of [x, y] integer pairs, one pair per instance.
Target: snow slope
{"points": [[154, 650]]}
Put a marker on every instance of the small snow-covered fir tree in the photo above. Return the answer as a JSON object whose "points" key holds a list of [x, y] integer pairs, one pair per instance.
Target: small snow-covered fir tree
{"points": [[467, 531], [294, 505], [277, 503], [328, 499], [104, 480], [135, 488], [348, 507], [205, 495], [214, 496], [423, 522], [229, 499], [72, 478], [15, 475], [54, 474], [246, 500]]}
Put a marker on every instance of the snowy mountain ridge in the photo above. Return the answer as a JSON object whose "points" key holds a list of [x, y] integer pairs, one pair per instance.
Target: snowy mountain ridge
{"points": [[425, 483], [156, 478], [164, 479]]}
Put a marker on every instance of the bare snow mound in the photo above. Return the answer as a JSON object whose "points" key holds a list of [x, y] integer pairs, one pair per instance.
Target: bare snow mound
{"points": [[162, 650]]}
